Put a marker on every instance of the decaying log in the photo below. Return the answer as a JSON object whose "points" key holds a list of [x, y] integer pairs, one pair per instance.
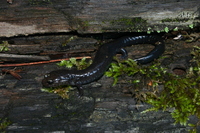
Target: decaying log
{"points": [[24, 17]]}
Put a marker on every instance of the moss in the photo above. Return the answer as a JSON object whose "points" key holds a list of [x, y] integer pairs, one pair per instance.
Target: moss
{"points": [[85, 23], [136, 24], [129, 21], [175, 20], [76, 24], [178, 92], [61, 91]]}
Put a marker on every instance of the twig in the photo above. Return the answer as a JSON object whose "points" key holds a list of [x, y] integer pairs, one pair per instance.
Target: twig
{"points": [[27, 58], [40, 62], [13, 72]]}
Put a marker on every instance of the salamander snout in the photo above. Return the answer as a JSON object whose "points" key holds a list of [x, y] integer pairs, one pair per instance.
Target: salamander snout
{"points": [[48, 81], [55, 79]]}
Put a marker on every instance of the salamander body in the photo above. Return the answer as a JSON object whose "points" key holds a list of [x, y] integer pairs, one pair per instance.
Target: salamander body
{"points": [[102, 61]]}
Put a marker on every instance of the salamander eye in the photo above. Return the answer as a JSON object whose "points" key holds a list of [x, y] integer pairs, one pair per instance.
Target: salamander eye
{"points": [[46, 75], [50, 81]]}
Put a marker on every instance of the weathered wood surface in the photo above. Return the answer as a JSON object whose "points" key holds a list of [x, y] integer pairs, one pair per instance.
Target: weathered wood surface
{"points": [[22, 58], [40, 48], [104, 108], [24, 17]]}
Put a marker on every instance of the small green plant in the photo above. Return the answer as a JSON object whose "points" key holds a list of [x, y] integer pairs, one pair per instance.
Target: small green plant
{"points": [[69, 40], [175, 29], [61, 91], [73, 62], [4, 46], [121, 68], [191, 26], [166, 29], [4, 123], [178, 92]]}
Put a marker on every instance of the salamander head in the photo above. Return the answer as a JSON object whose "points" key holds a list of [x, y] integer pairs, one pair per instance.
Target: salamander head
{"points": [[55, 79]]}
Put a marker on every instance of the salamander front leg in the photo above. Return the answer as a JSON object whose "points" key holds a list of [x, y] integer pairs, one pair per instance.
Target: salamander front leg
{"points": [[80, 90], [123, 52]]}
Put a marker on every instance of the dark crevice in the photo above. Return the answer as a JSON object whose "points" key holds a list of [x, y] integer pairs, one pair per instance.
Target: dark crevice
{"points": [[105, 35]]}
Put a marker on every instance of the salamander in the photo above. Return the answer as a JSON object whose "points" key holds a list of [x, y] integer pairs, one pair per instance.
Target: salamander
{"points": [[102, 61]]}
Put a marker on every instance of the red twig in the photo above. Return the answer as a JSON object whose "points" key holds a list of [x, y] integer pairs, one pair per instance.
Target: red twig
{"points": [[13, 72]]}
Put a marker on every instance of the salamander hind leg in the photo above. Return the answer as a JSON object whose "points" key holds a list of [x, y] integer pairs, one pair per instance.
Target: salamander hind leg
{"points": [[80, 90], [123, 52]]}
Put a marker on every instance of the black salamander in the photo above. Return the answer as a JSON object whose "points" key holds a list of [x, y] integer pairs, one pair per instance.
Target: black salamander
{"points": [[102, 61]]}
